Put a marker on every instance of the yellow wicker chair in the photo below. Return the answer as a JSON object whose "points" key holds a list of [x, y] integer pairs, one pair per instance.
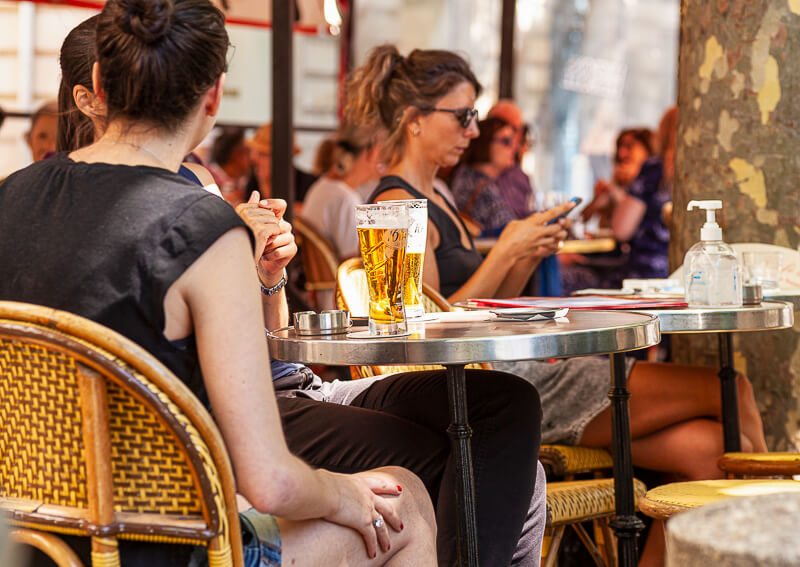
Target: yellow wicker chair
{"points": [[320, 262], [570, 503], [99, 439], [785, 465], [664, 501]]}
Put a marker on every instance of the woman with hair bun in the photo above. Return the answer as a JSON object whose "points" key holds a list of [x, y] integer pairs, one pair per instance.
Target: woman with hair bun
{"points": [[115, 235]]}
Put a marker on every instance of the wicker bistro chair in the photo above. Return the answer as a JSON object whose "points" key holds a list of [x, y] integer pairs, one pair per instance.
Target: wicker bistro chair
{"points": [[662, 502], [320, 262], [99, 439], [569, 503], [743, 465]]}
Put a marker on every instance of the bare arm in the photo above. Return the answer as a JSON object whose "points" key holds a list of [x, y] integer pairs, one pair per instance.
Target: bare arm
{"points": [[628, 215], [274, 249], [220, 293]]}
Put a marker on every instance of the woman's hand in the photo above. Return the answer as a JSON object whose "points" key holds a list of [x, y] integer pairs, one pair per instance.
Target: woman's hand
{"points": [[275, 245], [262, 222], [533, 237], [361, 503]]}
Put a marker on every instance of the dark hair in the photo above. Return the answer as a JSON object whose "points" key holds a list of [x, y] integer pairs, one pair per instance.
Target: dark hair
{"points": [[380, 91], [480, 148], [225, 143], [642, 135], [76, 58], [158, 57]]}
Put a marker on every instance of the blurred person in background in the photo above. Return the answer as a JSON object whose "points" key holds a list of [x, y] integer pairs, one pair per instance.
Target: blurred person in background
{"points": [[634, 146], [514, 184], [480, 203], [605, 270], [329, 206], [41, 138], [261, 156], [230, 163], [324, 156], [638, 213]]}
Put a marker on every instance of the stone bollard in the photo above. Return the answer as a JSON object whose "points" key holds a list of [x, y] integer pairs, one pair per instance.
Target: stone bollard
{"points": [[754, 531]]}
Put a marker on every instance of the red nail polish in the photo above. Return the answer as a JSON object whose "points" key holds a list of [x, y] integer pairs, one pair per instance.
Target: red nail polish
{"points": [[374, 555], [388, 546], [399, 488], [401, 525]]}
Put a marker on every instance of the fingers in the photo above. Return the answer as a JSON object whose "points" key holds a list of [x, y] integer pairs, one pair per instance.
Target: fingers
{"points": [[382, 533], [255, 197], [277, 206], [550, 214], [381, 484], [370, 535], [386, 509]]}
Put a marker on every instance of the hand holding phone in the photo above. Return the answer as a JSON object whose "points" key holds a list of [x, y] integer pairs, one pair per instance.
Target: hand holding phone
{"points": [[576, 200]]}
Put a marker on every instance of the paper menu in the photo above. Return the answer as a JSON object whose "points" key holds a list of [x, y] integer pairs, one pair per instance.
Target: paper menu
{"points": [[583, 302]]}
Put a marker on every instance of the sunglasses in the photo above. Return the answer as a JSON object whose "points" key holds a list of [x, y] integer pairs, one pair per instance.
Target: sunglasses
{"points": [[506, 141], [464, 115]]}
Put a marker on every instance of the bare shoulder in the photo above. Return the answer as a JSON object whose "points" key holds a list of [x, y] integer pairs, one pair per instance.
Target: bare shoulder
{"points": [[393, 194], [201, 172]]}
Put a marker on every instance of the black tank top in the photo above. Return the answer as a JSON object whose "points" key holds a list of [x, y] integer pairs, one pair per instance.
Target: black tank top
{"points": [[456, 263]]}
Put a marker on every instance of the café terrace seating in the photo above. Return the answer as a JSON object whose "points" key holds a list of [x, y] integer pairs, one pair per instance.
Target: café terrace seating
{"points": [[320, 263], [570, 502], [99, 439]]}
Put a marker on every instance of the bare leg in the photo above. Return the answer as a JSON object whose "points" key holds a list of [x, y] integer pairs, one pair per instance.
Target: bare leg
{"points": [[318, 542], [665, 394], [654, 549], [676, 414]]}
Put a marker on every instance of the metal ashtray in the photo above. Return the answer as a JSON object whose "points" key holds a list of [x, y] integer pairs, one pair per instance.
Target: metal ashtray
{"points": [[330, 322], [752, 294]]}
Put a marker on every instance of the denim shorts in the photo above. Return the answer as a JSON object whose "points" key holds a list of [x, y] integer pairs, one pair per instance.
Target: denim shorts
{"points": [[261, 542], [261, 539]]}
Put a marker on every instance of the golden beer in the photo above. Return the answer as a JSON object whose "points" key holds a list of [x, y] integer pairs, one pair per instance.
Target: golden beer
{"points": [[412, 291], [384, 251], [415, 254]]}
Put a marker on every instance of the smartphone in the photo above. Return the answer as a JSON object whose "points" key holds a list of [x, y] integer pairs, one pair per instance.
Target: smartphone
{"points": [[576, 200]]}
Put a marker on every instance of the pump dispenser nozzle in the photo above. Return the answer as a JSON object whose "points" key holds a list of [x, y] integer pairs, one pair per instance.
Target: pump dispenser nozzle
{"points": [[710, 230]]}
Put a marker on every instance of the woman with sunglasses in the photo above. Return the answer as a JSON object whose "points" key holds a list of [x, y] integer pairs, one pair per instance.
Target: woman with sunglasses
{"points": [[675, 411], [477, 196]]}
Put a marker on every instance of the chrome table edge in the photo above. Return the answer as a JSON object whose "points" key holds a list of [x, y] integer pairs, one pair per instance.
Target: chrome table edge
{"points": [[338, 350], [770, 315]]}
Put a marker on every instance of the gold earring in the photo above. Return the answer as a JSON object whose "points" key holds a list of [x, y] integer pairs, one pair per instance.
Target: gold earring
{"points": [[415, 130]]}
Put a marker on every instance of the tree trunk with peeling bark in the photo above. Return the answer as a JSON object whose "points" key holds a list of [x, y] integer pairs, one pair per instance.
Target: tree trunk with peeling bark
{"points": [[739, 141]]}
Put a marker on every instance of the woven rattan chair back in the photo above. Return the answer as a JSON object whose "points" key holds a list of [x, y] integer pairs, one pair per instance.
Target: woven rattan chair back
{"points": [[320, 262], [99, 439]]}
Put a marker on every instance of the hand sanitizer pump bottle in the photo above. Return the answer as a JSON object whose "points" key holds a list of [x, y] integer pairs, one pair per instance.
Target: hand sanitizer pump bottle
{"points": [[712, 272]]}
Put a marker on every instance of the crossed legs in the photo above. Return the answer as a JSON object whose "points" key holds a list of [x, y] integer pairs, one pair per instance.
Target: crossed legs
{"points": [[676, 427]]}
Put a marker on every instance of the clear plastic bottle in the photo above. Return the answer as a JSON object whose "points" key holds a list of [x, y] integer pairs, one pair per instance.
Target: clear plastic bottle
{"points": [[711, 268]]}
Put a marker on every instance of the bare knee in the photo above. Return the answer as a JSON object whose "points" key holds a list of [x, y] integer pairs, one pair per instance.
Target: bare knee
{"points": [[415, 507], [703, 452]]}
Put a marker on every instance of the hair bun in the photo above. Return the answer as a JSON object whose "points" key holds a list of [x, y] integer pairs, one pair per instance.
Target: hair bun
{"points": [[147, 20]]}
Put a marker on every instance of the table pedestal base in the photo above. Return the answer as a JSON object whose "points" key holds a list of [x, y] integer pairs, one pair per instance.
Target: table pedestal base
{"points": [[730, 402], [625, 524], [460, 434]]}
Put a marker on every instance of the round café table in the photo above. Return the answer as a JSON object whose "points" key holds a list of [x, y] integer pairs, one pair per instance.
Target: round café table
{"points": [[454, 345], [769, 315]]}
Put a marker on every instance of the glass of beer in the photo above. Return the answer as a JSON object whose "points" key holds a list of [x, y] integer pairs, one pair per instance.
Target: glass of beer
{"points": [[382, 238], [415, 254]]}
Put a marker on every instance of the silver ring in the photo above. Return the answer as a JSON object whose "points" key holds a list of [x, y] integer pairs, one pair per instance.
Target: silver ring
{"points": [[378, 523]]}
